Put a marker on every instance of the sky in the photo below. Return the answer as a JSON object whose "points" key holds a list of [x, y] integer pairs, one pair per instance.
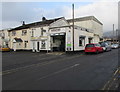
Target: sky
{"points": [[12, 13]]}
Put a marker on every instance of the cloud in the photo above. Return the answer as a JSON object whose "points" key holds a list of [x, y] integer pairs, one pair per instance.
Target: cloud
{"points": [[106, 12]]}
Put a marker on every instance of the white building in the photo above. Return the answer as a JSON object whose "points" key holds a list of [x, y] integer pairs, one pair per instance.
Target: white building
{"points": [[4, 37], [57, 34]]}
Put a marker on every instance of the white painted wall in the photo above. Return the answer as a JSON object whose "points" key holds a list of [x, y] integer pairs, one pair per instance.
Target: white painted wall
{"points": [[92, 25], [78, 33]]}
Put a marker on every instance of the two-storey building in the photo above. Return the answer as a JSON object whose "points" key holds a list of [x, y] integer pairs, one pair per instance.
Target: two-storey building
{"points": [[56, 34], [4, 37]]}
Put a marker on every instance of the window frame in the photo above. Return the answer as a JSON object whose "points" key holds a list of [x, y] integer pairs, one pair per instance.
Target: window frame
{"points": [[24, 32]]}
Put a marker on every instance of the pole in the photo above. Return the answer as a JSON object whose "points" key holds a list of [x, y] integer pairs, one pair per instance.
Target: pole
{"points": [[116, 35], [73, 24], [113, 33]]}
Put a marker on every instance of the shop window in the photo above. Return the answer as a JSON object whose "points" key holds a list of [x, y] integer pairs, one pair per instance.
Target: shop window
{"points": [[43, 44], [24, 32]]}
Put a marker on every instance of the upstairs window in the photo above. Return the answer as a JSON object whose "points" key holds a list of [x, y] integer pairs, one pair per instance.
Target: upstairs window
{"points": [[13, 33], [32, 34], [42, 31], [24, 32]]}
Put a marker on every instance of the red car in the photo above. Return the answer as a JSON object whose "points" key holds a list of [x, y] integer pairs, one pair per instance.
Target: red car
{"points": [[93, 47]]}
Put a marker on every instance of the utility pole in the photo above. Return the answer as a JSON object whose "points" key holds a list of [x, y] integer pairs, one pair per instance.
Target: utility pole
{"points": [[116, 35], [73, 24], [113, 33]]}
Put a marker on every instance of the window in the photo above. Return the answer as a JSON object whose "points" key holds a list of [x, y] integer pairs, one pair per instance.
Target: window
{"points": [[25, 44], [97, 45], [90, 45], [32, 34], [42, 31], [43, 44], [19, 44], [81, 41], [13, 33], [8, 33], [24, 32]]}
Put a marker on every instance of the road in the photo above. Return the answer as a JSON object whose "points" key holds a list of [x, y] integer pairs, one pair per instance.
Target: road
{"points": [[40, 71]]}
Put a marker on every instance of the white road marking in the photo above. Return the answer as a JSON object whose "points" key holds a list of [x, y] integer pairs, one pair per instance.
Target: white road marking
{"points": [[58, 72], [39, 64]]}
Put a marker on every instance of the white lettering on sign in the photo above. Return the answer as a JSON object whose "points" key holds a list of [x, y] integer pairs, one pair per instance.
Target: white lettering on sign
{"points": [[55, 30]]}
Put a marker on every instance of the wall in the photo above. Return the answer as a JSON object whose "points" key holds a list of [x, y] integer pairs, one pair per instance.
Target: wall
{"points": [[24, 38], [5, 40], [78, 33], [86, 24], [98, 28], [92, 25]]}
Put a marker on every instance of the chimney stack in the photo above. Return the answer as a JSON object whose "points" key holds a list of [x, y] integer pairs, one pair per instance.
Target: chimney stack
{"points": [[23, 22], [43, 19]]}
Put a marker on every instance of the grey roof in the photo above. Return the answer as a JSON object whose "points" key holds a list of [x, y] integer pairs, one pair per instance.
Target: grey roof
{"points": [[84, 19], [45, 22]]}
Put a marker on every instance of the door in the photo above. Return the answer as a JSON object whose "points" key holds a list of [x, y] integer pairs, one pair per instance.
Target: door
{"points": [[14, 46], [38, 46]]}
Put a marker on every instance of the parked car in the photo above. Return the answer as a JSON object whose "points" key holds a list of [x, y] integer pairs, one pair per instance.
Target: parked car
{"points": [[114, 46], [93, 47], [4, 48], [106, 46]]}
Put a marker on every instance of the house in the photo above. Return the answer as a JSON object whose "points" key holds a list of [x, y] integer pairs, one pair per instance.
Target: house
{"points": [[56, 34], [27, 36], [4, 37]]}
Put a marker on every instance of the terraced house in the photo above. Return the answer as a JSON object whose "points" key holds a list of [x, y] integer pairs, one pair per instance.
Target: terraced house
{"points": [[4, 38], [56, 34]]}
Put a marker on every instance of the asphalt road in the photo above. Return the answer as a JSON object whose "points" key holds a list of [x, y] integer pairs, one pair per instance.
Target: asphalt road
{"points": [[40, 71]]}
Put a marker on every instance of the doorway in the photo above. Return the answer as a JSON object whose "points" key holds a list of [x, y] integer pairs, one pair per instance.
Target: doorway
{"points": [[38, 46], [58, 43]]}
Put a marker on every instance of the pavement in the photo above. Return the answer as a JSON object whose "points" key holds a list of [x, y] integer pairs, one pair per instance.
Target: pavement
{"points": [[46, 71]]}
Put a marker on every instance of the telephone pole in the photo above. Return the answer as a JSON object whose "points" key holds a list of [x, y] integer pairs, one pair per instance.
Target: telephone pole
{"points": [[113, 33], [73, 24]]}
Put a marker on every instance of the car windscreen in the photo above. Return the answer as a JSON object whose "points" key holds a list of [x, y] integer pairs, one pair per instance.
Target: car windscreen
{"points": [[90, 45], [102, 44]]}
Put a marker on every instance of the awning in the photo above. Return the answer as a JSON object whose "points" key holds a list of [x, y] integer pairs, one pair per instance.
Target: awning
{"points": [[18, 40]]}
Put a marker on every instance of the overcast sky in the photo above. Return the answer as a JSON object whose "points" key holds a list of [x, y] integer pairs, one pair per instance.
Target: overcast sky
{"points": [[12, 13]]}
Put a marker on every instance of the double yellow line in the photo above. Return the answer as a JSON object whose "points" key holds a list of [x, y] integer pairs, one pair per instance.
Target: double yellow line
{"points": [[108, 84]]}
